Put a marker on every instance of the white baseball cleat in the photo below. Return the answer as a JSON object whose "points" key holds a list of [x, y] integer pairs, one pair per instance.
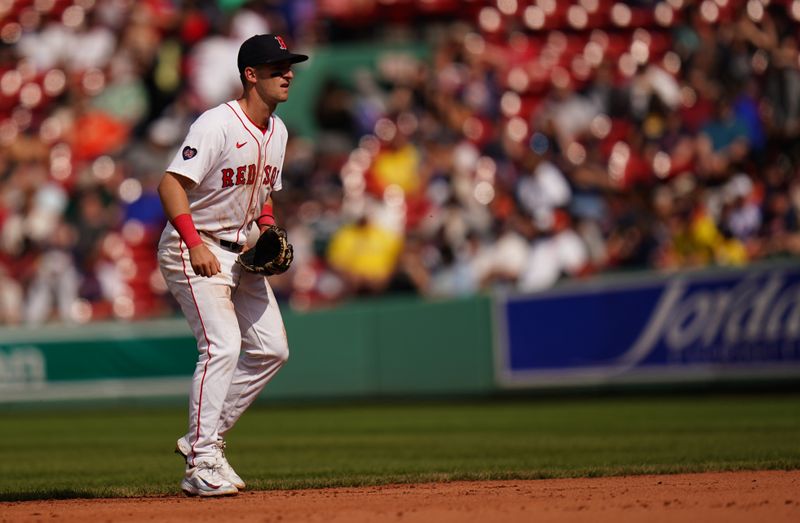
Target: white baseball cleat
{"points": [[205, 480], [183, 448], [226, 470]]}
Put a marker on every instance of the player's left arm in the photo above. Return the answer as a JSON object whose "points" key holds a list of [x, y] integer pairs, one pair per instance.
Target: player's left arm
{"points": [[266, 216]]}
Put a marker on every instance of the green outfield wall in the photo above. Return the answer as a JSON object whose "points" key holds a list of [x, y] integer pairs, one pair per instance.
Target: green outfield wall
{"points": [[640, 329], [394, 347]]}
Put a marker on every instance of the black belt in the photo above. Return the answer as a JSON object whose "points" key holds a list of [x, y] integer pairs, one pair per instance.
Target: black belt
{"points": [[230, 246]]}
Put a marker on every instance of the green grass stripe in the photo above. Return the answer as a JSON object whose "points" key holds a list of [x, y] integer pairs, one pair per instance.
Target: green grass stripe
{"points": [[109, 453]]}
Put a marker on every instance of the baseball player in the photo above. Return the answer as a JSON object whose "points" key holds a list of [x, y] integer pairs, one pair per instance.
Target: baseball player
{"points": [[218, 187]]}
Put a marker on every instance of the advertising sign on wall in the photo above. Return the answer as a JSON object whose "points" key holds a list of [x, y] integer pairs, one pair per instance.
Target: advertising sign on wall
{"points": [[689, 326]]}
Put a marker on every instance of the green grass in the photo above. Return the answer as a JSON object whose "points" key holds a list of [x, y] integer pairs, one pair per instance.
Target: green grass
{"points": [[114, 452]]}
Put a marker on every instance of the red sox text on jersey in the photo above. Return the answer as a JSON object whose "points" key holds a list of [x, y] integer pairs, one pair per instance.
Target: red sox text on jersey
{"points": [[246, 175]]}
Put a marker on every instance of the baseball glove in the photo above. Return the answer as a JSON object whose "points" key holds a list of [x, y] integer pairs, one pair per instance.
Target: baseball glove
{"points": [[272, 253]]}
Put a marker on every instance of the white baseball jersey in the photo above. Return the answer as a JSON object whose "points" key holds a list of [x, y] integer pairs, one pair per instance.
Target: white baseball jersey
{"points": [[235, 164]]}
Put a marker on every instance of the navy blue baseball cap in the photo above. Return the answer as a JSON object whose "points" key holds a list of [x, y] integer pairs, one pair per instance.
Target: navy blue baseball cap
{"points": [[266, 49]]}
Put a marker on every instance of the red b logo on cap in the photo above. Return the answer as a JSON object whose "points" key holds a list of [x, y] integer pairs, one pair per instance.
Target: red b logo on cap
{"points": [[281, 43]]}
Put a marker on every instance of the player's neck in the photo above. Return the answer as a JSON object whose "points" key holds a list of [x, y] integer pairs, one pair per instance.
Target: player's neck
{"points": [[256, 110]]}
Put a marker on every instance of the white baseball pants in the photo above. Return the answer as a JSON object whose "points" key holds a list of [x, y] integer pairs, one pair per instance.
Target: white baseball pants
{"points": [[240, 335]]}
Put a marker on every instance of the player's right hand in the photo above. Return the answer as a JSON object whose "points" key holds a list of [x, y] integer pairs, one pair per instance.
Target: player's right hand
{"points": [[203, 261]]}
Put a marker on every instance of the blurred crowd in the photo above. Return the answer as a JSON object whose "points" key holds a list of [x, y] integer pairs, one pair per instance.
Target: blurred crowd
{"points": [[534, 141]]}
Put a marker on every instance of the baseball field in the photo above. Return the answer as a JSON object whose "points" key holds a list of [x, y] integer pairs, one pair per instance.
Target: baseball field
{"points": [[422, 461]]}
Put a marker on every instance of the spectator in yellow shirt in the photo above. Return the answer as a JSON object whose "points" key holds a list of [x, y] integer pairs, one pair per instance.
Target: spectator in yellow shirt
{"points": [[365, 255]]}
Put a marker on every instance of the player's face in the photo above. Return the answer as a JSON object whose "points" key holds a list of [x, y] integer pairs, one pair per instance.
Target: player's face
{"points": [[273, 81]]}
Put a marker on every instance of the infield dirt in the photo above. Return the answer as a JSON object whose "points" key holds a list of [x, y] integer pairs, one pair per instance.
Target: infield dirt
{"points": [[729, 497]]}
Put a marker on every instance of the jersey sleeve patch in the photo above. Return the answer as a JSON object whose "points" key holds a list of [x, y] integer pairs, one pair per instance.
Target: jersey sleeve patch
{"points": [[189, 152]]}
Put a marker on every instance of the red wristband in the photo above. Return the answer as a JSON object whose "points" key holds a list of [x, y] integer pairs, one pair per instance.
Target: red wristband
{"points": [[184, 224], [266, 217]]}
